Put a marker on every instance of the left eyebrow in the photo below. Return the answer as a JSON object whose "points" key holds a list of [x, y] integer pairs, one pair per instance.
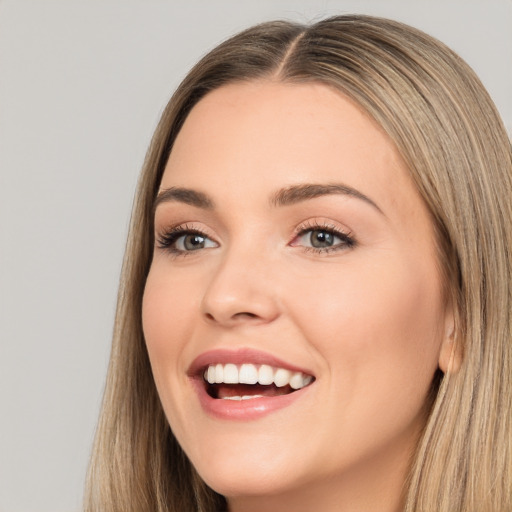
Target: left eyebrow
{"points": [[298, 193]]}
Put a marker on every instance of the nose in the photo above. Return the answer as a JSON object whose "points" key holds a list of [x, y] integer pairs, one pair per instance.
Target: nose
{"points": [[241, 291]]}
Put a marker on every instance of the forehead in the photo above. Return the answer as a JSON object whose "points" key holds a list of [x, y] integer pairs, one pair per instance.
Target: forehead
{"points": [[263, 135], [311, 121]]}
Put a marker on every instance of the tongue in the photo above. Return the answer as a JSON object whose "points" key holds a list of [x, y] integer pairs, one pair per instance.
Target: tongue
{"points": [[229, 390]]}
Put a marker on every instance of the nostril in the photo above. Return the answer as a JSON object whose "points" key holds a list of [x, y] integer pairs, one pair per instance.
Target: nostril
{"points": [[237, 316], [209, 316], [245, 315]]}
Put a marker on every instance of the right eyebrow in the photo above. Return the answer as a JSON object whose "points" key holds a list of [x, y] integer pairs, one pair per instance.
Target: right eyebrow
{"points": [[184, 195]]}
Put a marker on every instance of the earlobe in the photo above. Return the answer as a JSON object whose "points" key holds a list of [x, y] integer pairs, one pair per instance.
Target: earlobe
{"points": [[450, 355]]}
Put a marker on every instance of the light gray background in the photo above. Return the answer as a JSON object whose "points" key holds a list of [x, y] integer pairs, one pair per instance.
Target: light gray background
{"points": [[81, 88]]}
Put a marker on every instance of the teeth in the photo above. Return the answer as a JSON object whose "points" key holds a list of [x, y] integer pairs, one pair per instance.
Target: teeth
{"points": [[231, 375], [219, 374], [282, 377], [245, 397], [265, 375], [296, 381], [250, 374]]}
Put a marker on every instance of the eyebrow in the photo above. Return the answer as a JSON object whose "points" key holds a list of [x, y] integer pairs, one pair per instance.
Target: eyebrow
{"points": [[298, 193], [283, 197], [184, 195]]}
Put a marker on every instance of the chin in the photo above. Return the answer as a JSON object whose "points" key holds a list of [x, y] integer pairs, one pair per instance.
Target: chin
{"points": [[249, 483], [244, 483], [256, 473]]}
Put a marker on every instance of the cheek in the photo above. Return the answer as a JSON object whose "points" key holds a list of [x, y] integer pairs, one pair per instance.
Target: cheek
{"points": [[166, 308], [157, 316], [165, 319], [379, 330], [168, 325]]}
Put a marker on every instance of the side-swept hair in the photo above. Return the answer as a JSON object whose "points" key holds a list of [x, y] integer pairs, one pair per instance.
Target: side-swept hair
{"points": [[448, 132]]}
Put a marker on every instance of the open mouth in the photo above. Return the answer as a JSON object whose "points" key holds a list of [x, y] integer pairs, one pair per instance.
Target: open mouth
{"points": [[249, 381]]}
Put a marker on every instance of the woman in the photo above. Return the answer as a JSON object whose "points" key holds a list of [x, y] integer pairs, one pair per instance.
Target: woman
{"points": [[316, 293]]}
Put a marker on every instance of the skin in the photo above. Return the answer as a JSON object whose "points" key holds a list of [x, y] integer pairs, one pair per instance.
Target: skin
{"points": [[369, 321]]}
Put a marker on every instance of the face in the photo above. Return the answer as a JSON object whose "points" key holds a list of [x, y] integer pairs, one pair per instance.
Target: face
{"points": [[295, 270]]}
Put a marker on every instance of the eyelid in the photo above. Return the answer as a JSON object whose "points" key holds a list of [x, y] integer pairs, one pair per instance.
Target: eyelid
{"points": [[344, 234], [322, 223], [165, 238]]}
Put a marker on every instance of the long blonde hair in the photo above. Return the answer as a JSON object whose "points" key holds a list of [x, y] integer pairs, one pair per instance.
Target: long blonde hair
{"points": [[447, 130]]}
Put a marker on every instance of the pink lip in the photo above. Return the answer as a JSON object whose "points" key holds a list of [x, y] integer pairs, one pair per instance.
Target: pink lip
{"points": [[240, 356], [244, 409]]}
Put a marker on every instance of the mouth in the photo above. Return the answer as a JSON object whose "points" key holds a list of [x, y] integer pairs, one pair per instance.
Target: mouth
{"points": [[248, 381], [246, 384]]}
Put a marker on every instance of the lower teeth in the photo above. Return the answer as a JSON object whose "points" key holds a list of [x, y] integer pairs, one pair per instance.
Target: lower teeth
{"points": [[245, 397]]}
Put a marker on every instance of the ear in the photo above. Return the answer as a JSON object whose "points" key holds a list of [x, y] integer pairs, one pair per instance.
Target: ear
{"points": [[450, 354]]}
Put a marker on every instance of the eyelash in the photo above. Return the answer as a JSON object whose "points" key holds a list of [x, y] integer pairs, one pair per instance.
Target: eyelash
{"points": [[168, 239], [347, 239]]}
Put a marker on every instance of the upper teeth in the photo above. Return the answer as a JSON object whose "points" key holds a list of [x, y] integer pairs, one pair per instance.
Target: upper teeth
{"points": [[251, 374]]}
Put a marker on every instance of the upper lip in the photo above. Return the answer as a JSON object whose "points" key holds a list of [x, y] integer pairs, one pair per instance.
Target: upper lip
{"points": [[239, 356]]}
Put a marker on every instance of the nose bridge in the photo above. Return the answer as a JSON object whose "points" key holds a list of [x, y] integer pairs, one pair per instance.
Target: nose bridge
{"points": [[240, 288]]}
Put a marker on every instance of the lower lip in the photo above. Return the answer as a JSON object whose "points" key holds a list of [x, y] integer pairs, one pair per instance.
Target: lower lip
{"points": [[250, 409]]}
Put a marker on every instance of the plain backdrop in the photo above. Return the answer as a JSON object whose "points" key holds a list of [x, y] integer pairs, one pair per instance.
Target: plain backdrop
{"points": [[82, 84]]}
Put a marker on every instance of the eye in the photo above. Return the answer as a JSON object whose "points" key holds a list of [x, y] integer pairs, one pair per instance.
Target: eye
{"points": [[182, 240], [323, 239], [319, 238], [192, 242]]}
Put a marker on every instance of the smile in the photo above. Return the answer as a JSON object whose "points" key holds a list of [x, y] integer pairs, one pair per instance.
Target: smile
{"points": [[250, 381], [246, 384]]}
